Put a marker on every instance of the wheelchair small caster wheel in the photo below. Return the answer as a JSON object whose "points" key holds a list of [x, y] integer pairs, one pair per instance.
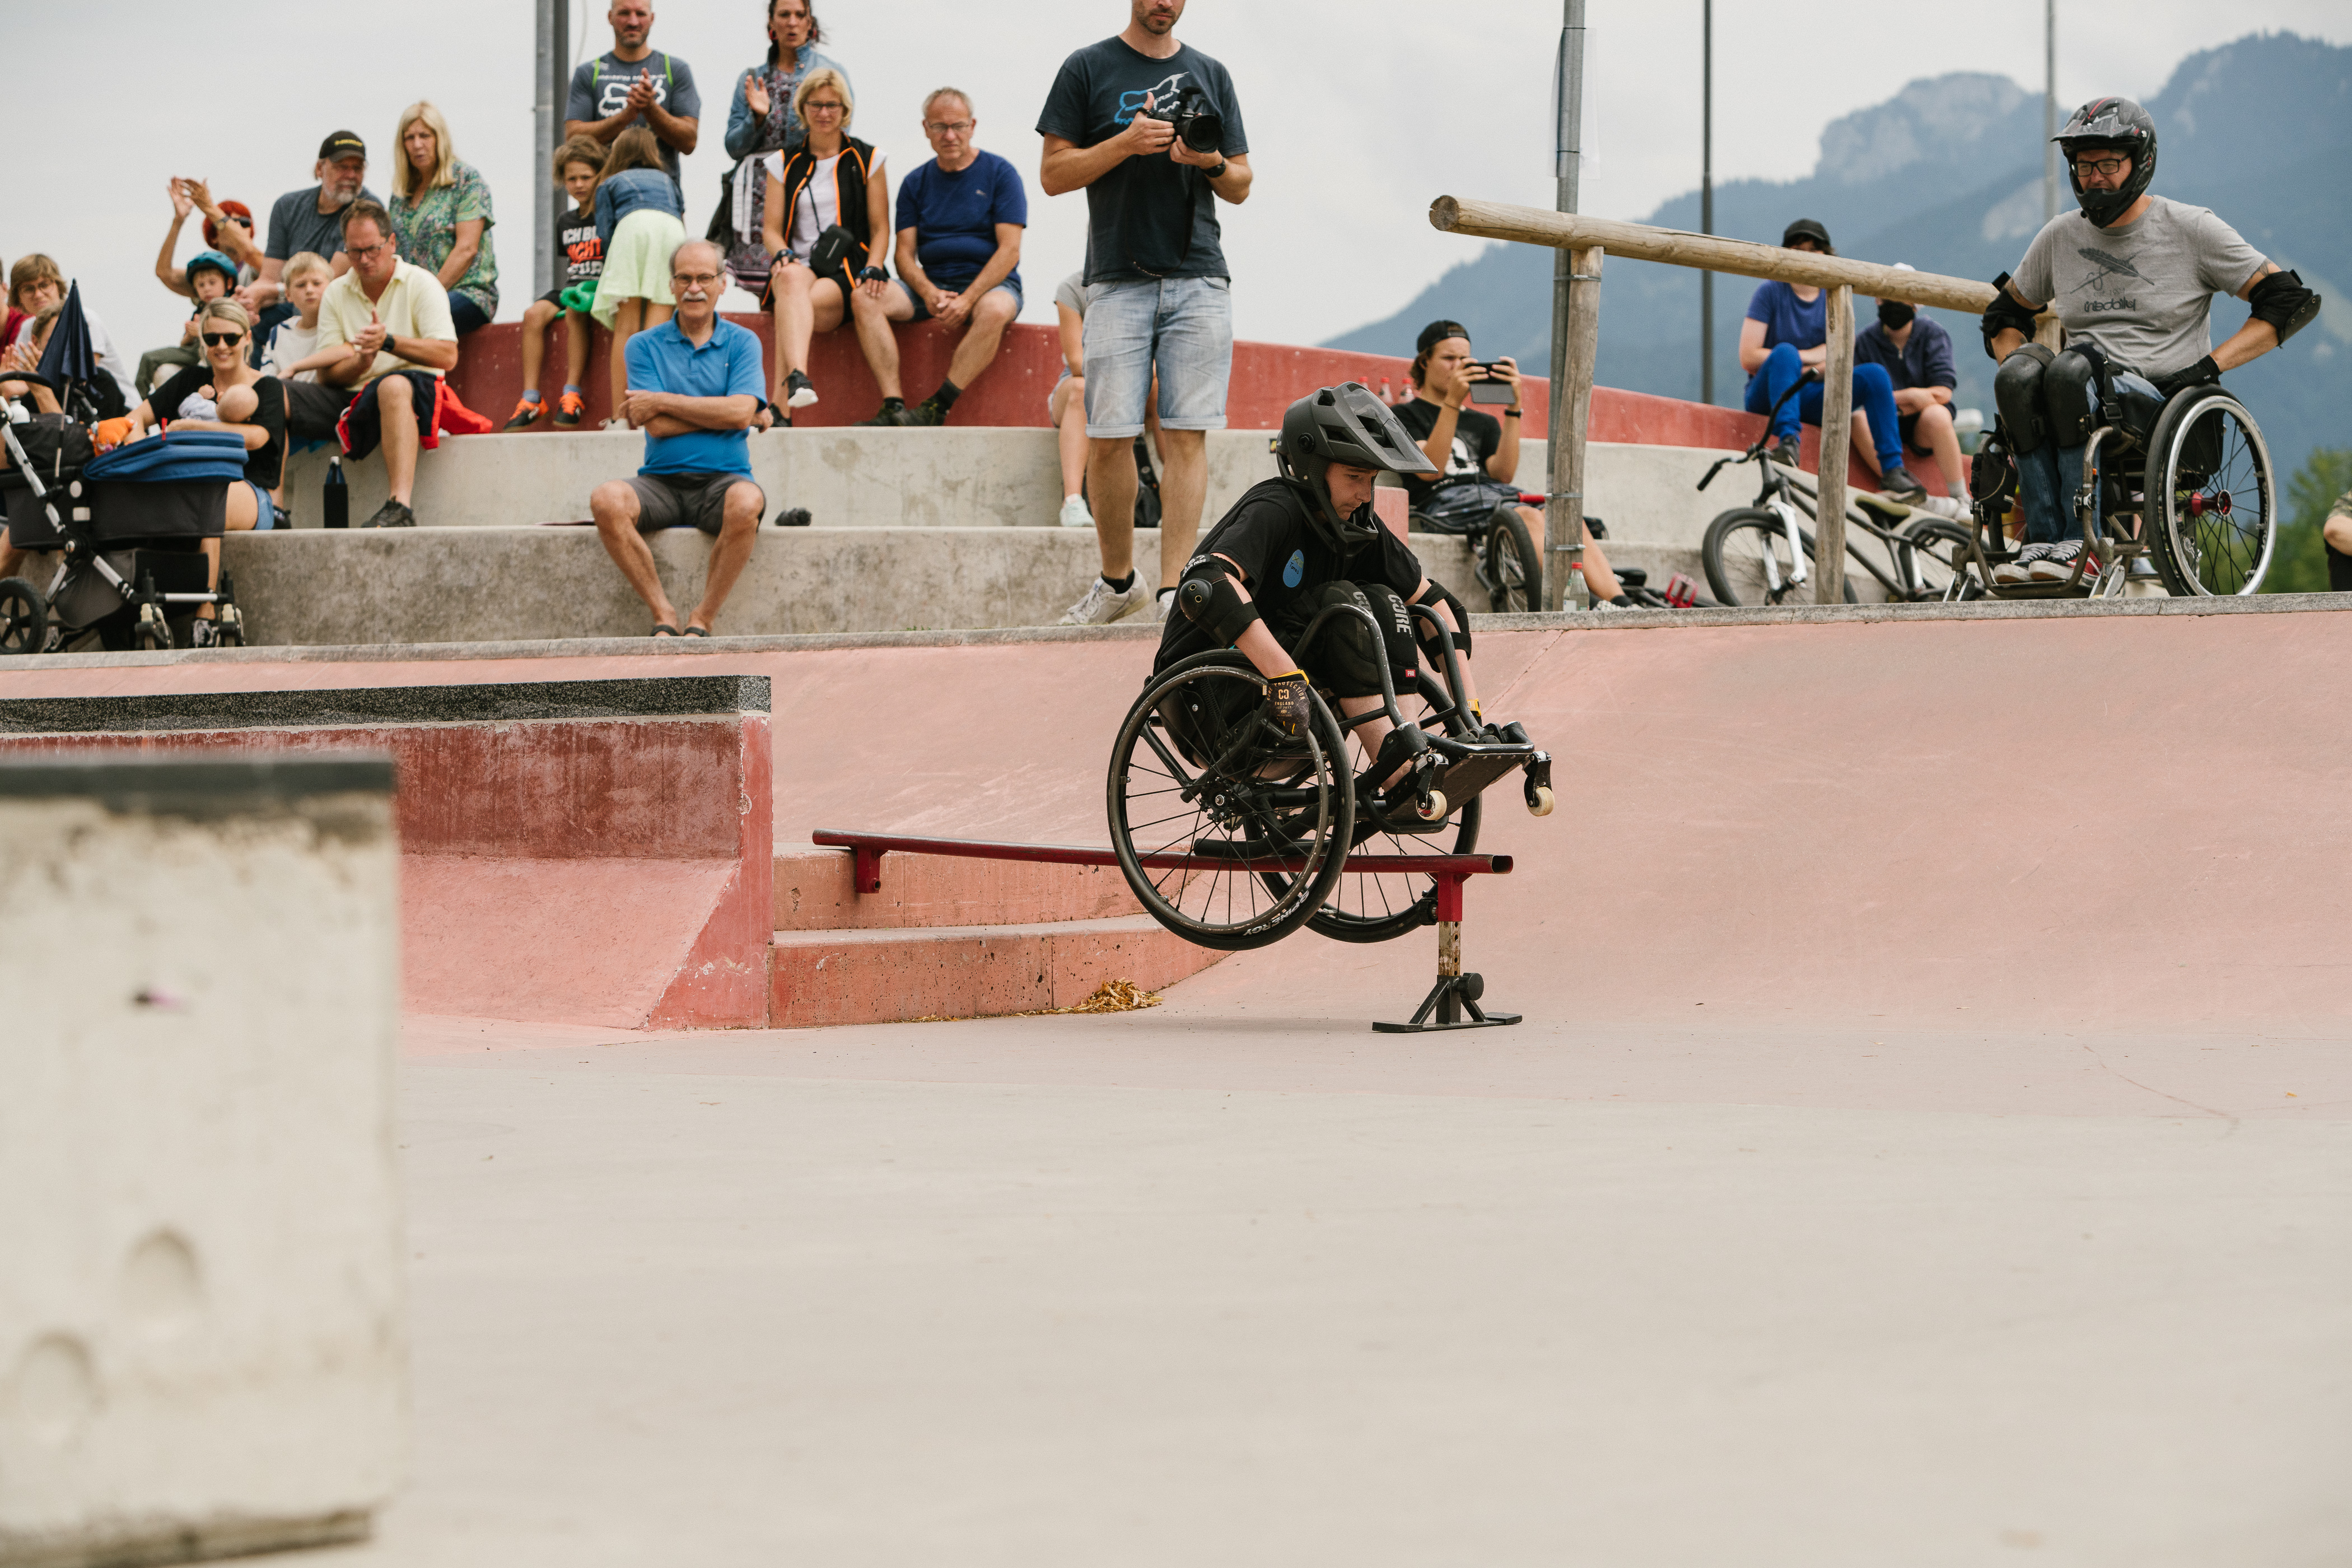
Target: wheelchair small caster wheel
{"points": [[153, 635], [1433, 808], [1540, 800]]}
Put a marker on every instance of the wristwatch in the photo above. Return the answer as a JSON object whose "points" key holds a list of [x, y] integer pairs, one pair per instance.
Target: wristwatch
{"points": [[872, 274], [1219, 172], [1511, 413]]}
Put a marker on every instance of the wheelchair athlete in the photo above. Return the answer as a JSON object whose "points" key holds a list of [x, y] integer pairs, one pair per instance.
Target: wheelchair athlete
{"points": [[2132, 278], [1295, 545]]}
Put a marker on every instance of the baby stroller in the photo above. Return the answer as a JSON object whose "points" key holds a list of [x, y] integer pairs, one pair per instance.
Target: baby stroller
{"points": [[130, 525]]}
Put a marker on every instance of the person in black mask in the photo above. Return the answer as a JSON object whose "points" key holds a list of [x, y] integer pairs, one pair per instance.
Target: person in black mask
{"points": [[1916, 351]]}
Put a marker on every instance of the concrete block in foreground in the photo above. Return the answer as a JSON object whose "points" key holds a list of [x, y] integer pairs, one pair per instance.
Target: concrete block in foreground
{"points": [[203, 1338]]}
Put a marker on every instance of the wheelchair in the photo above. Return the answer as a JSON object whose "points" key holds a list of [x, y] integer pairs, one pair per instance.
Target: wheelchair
{"points": [[2184, 482], [132, 548], [1232, 834]]}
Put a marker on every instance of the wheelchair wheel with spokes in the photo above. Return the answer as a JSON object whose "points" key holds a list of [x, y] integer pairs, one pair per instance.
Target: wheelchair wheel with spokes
{"points": [[1197, 771], [2212, 500], [1748, 562], [1368, 906]]}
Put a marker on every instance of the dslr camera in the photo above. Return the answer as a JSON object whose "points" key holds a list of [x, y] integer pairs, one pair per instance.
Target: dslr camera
{"points": [[1198, 126]]}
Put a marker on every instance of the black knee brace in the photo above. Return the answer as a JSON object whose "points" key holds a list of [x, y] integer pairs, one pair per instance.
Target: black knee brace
{"points": [[1439, 593], [1349, 652], [2017, 395], [1207, 597], [2070, 392]]}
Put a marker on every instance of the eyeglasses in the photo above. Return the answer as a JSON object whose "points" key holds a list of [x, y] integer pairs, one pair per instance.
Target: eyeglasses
{"points": [[822, 108], [694, 280], [367, 252], [948, 127], [2106, 168], [221, 340]]}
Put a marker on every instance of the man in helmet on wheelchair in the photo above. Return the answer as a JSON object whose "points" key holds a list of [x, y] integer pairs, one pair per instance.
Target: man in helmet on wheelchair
{"points": [[1296, 545], [2131, 277]]}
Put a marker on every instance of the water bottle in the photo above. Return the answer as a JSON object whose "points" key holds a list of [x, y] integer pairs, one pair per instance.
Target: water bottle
{"points": [[335, 505]]}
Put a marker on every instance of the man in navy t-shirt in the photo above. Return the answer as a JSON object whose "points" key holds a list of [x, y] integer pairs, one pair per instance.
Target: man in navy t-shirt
{"points": [[961, 217], [1784, 336], [1156, 265], [1916, 351]]}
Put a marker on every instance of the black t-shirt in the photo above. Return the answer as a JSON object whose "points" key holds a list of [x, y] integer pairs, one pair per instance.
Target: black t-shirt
{"points": [[1476, 438], [579, 252], [1149, 217], [266, 463], [1282, 561]]}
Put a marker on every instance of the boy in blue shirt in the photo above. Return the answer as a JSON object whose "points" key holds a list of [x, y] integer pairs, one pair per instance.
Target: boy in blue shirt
{"points": [[960, 218], [1783, 336]]}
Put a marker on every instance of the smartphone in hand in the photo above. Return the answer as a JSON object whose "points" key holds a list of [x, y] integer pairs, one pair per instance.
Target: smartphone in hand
{"points": [[1486, 387]]}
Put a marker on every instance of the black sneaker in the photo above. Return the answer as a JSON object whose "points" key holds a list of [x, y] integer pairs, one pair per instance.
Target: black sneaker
{"points": [[798, 391], [2057, 564], [391, 514], [892, 412], [1784, 451], [1899, 485]]}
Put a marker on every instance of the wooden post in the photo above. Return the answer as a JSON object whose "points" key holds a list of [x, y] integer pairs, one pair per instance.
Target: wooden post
{"points": [[1837, 441], [1571, 408]]}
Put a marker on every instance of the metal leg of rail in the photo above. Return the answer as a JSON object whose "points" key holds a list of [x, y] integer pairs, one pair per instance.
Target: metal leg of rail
{"points": [[1454, 992]]}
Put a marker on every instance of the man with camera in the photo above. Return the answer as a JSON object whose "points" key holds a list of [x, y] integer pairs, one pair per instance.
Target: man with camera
{"points": [[1150, 129], [1476, 455]]}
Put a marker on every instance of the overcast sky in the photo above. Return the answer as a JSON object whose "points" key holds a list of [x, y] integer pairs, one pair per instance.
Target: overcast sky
{"points": [[1357, 114]]}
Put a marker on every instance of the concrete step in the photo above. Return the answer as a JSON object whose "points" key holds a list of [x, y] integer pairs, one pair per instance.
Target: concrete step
{"points": [[820, 978], [814, 893]]}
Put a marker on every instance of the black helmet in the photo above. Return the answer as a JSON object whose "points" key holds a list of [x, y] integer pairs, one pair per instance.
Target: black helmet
{"points": [[2110, 124], [1344, 424]]}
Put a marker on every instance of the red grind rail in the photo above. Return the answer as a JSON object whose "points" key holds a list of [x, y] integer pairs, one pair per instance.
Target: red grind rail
{"points": [[869, 849]]}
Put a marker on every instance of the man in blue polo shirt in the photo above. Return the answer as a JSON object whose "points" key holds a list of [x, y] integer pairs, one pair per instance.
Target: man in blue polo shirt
{"points": [[960, 218], [695, 386]]}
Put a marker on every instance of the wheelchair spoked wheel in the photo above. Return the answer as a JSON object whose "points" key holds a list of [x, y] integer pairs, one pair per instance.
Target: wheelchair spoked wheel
{"points": [[1195, 770], [1368, 906], [1747, 560], [2210, 486], [1943, 568]]}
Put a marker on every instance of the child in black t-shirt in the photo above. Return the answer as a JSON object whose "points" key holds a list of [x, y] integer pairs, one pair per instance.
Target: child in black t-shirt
{"points": [[579, 262]]}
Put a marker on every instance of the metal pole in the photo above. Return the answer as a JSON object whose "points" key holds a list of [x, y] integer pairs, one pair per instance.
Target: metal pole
{"points": [[1707, 197], [553, 60], [2049, 110], [1564, 513]]}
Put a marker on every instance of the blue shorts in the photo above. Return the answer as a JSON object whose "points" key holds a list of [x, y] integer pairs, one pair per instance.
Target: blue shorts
{"points": [[1185, 326], [265, 515], [923, 311]]}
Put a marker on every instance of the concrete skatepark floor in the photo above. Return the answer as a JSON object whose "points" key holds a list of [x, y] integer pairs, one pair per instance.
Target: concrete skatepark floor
{"points": [[1206, 1284]]}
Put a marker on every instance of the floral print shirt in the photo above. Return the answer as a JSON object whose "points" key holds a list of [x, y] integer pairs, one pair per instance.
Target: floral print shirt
{"points": [[425, 225]]}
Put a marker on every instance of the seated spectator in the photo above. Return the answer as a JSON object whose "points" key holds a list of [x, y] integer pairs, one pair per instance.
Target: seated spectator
{"points": [[312, 220], [35, 284], [759, 120], [2336, 537], [226, 393], [293, 351], [1784, 336], [25, 354], [391, 320], [695, 384], [11, 318], [1065, 403], [960, 221], [1916, 351], [228, 231], [441, 216], [637, 224], [209, 275], [831, 180], [579, 262], [1478, 456]]}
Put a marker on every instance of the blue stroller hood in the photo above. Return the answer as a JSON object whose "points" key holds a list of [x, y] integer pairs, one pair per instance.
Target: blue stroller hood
{"points": [[179, 457]]}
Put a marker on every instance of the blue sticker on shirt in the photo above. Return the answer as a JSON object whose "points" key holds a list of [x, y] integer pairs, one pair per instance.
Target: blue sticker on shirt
{"points": [[1293, 569]]}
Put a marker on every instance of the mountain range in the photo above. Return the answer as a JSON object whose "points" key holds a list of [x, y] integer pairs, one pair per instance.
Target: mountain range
{"points": [[1947, 175]]}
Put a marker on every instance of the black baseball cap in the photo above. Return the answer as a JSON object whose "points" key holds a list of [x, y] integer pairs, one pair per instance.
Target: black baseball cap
{"points": [[1437, 332], [1806, 228], [343, 145]]}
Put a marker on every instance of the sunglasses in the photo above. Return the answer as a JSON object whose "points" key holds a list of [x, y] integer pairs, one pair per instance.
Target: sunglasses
{"points": [[221, 340], [240, 222]]}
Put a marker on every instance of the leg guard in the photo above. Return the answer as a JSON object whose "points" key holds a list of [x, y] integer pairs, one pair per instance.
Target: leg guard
{"points": [[2017, 397], [1439, 594], [1346, 655], [2339, 570], [2071, 397], [1209, 600]]}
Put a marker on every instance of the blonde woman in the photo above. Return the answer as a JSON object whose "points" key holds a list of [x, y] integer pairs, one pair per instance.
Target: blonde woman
{"points": [[832, 178], [441, 216]]}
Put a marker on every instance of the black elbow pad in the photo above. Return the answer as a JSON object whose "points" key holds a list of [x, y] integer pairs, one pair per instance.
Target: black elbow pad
{"points": [[1209, 600], [2003, 315], [1440, 595], [2283, 301]]}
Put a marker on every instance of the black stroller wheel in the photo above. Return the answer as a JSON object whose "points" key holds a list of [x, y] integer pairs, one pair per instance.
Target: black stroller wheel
{"points": [[23, 617]]}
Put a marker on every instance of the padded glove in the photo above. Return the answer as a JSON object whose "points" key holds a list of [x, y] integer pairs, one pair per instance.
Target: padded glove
{"points": [[2204, 373], [1287, 702]]}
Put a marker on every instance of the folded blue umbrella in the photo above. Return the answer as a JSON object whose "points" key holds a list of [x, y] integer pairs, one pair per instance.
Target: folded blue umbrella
{"points": [[180, 457]]}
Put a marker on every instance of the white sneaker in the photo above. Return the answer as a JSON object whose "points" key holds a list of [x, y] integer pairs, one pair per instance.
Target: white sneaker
{"points": [[2010, 572], [1074, 514], [1951, 509], [1158, 614], [1105, 603]]}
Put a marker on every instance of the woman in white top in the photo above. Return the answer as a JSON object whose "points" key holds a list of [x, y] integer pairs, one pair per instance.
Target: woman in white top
{"points": [[833, 178]]}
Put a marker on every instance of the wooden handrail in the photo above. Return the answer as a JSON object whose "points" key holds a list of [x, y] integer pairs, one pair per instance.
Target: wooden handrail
{"points": [[1706, 252]]}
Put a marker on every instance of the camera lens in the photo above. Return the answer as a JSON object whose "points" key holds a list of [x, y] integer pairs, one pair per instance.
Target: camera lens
{"points": [[1204, 132]]}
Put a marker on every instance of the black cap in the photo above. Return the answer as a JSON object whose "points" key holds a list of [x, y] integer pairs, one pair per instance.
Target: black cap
{"points": [[1437, 332], [1805, 228], [343, 145]]}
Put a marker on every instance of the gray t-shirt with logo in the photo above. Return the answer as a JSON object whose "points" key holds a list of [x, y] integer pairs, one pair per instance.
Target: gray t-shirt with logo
{"points": [[2142, 292]]}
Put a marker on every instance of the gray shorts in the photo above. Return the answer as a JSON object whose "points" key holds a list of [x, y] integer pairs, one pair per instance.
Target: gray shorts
{"points": [[685, 501]]}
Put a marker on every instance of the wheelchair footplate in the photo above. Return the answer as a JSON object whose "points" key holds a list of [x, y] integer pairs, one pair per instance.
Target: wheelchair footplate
{"points": [[1452, 774]]}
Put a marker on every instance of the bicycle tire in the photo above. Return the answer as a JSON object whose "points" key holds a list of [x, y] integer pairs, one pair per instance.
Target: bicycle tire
{"points": [[1514, 568], [1738, 542]]}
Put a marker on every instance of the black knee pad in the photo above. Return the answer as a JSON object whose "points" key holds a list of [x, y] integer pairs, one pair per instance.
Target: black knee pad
{"points": [[2017, 395], [1347, 656], [2069, 395], [1439, 593]]}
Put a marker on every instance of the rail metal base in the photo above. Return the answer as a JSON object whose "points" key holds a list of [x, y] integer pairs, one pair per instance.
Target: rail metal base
{"points": [[1454, 992]]}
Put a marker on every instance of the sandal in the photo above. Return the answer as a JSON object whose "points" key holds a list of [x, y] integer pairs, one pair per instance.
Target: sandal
{"points": [[663, 630], [697, 631]]}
